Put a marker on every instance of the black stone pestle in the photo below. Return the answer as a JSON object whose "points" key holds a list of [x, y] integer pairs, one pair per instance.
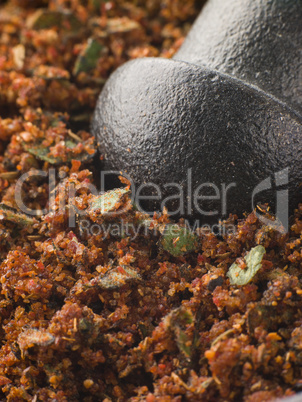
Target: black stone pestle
{"points": [[218, 128]]}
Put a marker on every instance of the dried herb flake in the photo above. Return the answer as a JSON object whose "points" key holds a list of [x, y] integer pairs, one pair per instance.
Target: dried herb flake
{"points": [[178, 240], [116, 277], [88, 58], [253, 259], [109, 201], [11, 214]]}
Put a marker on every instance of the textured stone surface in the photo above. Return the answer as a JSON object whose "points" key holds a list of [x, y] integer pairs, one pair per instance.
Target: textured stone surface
{"points": [[256, 41], [227, 109]]}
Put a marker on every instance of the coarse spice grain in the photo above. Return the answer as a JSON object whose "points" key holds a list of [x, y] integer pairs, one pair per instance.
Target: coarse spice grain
{"points": [[106, 315]]}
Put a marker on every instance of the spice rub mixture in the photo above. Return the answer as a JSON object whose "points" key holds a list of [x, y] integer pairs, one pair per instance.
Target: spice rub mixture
{"points": [[98, 301]]}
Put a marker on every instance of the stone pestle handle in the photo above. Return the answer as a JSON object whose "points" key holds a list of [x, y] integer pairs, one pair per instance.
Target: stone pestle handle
{"points": [[218, 128], [256, 41]]}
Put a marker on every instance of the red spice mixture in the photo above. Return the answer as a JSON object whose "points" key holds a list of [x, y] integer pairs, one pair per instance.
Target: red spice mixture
{"points": [[87, 316]]}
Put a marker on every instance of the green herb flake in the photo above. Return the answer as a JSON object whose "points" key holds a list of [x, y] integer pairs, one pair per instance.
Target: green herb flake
{"points": [[108, 202], [43, 153], [253, 259], [88, 58], [177, 321], [12, 215], [45, 19], [178, 240]]}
